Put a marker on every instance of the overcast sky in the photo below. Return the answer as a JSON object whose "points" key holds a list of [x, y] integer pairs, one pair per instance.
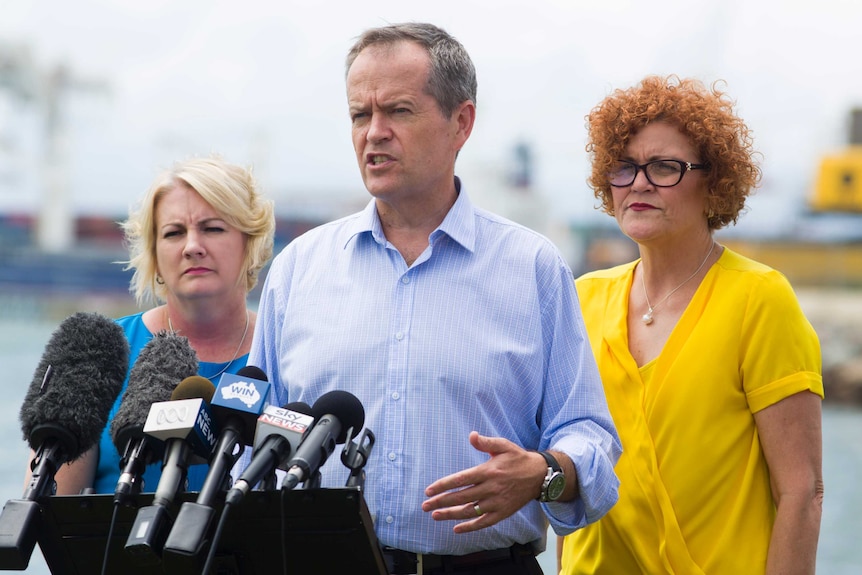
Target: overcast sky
{"points": [[263, 81]]}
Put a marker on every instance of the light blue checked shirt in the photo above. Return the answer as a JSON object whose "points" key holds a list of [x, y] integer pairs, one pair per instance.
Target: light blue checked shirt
{"points": [[483, 332]]}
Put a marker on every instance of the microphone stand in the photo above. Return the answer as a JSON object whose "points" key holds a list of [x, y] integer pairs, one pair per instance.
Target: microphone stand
{"points": [[269, 481], [313, 482]]}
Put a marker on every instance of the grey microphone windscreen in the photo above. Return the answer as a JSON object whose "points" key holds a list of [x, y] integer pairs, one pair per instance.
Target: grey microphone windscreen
{"points": [[163, 363], [76, 383]]}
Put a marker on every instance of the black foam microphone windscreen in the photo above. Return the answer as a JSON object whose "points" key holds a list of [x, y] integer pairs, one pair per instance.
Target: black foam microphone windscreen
{"points": [[75, 384], [343, 405], [252, 371]]}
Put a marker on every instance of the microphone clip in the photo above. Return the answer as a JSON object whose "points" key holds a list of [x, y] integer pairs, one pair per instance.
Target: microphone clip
{"points": [[355, 455]]}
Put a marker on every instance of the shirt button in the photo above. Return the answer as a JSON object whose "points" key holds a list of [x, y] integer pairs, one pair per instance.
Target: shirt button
{"points": [[396, 396], [389, 519], [405, 280], [399, 336], [392, 456]]}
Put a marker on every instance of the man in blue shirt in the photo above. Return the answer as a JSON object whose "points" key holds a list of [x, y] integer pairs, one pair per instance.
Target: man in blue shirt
{"points": [[458, 330]]}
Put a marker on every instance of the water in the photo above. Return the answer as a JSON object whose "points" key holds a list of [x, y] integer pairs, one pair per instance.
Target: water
{"points": [[22, 341]]}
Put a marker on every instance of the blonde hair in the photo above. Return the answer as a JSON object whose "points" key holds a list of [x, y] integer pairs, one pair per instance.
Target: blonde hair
{"points": [[231, 190]]}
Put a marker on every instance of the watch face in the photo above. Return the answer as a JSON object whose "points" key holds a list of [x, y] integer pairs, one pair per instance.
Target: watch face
{"points": [[556, 486]]}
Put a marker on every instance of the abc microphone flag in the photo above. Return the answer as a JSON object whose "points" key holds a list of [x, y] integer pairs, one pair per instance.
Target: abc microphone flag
{"points": [[186, 427], [186, 419]]}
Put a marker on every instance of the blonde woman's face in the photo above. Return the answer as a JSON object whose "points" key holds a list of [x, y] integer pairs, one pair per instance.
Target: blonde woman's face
{"points": [[197, 253]]}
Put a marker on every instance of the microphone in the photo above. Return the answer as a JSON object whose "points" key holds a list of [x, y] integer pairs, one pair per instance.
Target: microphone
{"points": [[75, 384], [279, 432], [338, 414], [238, 401], [185, 425], [164, 361], [270, 480], [237, 404]]}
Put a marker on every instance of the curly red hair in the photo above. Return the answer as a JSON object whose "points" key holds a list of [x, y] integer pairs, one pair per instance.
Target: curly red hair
{"points": [[704, 115]]}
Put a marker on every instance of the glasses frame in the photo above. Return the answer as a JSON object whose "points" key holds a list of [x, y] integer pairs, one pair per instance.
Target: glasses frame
{"points": [[684, 167]]}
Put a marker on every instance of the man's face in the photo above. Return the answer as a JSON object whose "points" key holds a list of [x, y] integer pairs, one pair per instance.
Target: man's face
{"points": [[404, 144]]}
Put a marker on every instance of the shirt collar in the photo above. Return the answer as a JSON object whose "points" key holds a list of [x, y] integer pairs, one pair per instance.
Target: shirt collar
{"points": [[458, 224]]}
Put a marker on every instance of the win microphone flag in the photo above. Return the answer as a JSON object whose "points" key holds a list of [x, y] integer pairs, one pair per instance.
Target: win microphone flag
{"points": [[236, 404], [241, 397]]}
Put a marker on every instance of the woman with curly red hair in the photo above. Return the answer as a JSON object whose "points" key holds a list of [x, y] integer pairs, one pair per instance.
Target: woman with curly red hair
{"points": [[711, 370]]}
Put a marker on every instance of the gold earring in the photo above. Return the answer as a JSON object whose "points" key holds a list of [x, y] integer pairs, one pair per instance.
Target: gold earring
{"points": [[160, 281]]}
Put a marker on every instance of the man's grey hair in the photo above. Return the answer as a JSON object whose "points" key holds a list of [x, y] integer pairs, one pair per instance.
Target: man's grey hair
{"points": [[452, 77]]}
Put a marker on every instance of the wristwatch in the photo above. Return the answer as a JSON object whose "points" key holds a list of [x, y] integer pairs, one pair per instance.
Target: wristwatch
{"points": [[555, 479]]}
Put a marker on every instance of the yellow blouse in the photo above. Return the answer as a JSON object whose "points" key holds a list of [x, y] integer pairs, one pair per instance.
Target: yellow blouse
{"points": [[694, 485]]}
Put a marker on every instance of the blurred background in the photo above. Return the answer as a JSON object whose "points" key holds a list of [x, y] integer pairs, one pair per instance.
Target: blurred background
{"points": [[97, 96]]}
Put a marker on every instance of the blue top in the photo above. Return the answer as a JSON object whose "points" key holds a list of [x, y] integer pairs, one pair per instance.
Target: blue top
{"points": [[108, 470], [483, 332]]}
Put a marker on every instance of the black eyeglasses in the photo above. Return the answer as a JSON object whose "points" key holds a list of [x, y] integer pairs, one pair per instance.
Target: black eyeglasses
{"points": [[660, 173]]}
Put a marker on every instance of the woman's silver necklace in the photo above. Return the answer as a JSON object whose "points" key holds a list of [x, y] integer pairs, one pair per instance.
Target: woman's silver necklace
{"points": [[647, 317], [233, 357]]}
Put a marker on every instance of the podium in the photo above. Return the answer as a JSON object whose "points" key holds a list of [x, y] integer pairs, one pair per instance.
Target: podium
{"points": [[304, 531]]}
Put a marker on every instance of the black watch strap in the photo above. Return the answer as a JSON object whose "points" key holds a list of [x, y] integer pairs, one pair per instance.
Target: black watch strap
{"points": [[552, 461]]}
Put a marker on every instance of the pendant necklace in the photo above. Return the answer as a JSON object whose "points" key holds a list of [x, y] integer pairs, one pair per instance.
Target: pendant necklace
{"points": [[647, 317], [233, 357]]}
